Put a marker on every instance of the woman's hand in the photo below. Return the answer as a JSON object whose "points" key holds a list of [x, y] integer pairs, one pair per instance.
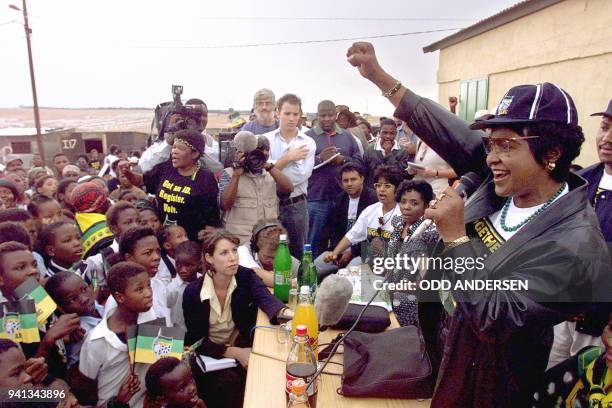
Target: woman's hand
{"points": [[362, 56], [242, 355], [448, 215]]}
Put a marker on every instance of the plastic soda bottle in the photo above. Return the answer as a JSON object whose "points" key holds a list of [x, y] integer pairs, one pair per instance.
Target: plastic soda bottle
{"points": [[301, 365], [282, 270], [305, 315]]}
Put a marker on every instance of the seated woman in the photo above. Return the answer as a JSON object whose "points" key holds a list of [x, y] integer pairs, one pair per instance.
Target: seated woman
{"points": [[375, 223], [220, 309], [413, 197]]}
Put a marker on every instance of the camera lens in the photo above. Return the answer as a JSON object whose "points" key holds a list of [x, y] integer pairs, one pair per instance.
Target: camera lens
{"points": [[255, 161]]}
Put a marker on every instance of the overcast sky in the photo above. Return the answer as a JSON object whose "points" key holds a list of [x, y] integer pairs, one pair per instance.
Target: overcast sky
{"points": [[128, 53]]}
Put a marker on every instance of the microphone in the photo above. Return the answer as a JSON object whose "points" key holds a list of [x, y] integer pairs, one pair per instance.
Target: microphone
{"points": [[333, 296], [468, 183], [245, 141]]}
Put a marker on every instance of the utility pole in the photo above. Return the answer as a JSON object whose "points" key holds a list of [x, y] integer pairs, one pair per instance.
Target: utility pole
{"points": [[26, 26]]}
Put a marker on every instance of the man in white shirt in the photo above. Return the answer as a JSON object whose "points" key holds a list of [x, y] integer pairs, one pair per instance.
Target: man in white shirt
{"points": [[292, 152]]}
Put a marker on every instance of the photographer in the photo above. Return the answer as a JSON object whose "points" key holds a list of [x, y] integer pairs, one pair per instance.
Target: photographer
{"points": [[248, 188]]}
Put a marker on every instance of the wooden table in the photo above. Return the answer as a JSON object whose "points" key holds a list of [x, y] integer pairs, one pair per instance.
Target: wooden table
{"points": [[265, 385]]}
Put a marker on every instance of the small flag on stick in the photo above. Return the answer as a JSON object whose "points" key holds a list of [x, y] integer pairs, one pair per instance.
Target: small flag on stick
{"points": [[18, 321], [45, 305], [147, 343]]}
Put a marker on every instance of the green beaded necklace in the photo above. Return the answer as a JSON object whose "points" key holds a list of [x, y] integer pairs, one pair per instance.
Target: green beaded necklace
{"points": [[547, 204]]}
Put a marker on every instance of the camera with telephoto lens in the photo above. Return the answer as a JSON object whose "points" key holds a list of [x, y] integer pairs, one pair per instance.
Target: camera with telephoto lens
{"points": [[190, 115]]}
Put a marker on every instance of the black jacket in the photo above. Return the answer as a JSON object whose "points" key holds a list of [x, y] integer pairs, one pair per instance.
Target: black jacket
{"points": [[249, 295], [495, 349], [338, 217], [603, 209]]}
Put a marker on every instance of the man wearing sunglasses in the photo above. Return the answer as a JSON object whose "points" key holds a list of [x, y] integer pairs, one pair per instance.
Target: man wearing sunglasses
{"points": [[529, 220]]}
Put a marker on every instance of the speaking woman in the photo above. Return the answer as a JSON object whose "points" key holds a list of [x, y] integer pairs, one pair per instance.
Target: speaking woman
{"points": [[529, 221]]}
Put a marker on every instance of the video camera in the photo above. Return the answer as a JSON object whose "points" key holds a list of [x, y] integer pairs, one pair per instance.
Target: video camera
{"points": [[189, 116]]}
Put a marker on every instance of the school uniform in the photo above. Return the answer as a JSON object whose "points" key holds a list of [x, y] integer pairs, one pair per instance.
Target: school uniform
{"points": [[104, 357]]}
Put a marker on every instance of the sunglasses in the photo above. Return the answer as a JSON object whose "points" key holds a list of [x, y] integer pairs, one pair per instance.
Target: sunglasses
{"points": [[501, 145]]}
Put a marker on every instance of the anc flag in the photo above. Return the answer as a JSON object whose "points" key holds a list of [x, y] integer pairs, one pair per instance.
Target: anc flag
{"points": [[154, 342], [45, 305], [131, 334], [18, 321]]}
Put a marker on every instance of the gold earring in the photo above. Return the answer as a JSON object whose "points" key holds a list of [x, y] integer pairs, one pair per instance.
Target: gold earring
{"points": [[551, 166]]}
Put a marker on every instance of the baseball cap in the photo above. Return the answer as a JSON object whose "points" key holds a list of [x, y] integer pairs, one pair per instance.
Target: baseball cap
{"points": [[607, 112], [524, 104]]}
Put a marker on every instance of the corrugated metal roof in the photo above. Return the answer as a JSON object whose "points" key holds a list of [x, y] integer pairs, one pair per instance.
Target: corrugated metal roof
{"points": [[505, 16]]}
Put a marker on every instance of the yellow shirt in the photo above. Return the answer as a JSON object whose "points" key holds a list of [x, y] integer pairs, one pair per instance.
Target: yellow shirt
{"points": [[221, 324]]}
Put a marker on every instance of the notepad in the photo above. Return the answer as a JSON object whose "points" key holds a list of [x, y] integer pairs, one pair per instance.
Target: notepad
{"points": [[208, 364]]}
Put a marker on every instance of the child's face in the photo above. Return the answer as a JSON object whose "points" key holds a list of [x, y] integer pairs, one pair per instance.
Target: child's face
{"points": [[148, 218], [67, 247], [177, 236], [49, 213], [187, 267], [127, 219], [178, 387], [77, 297], [30, 226], [146, 253], [138, 295], [17, 267], [12, 365]]}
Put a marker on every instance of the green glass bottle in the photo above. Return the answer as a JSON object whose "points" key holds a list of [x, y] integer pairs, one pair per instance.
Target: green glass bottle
{"points": [[307, 273]]}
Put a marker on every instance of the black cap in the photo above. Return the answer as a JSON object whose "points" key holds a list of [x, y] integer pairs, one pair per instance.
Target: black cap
{"points": [[607, 112], [525, 104]]}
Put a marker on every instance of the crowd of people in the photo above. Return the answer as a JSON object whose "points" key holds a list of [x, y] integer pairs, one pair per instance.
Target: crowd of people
{"points": [[169, 233]]}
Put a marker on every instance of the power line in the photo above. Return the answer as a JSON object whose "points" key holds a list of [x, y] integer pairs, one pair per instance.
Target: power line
{"points": [[334, 18], [299, 42], [8, 22]]}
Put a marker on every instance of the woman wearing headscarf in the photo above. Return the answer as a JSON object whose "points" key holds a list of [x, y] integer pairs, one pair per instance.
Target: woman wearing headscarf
{"points": [[186, 193]]}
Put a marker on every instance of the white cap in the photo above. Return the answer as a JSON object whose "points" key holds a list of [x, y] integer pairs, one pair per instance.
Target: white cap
{"points": [[283, 237], [305, 290]]}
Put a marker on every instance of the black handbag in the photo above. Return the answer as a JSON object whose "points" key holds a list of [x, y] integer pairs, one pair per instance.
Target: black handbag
{"points": [[375, 319], [392, 364]]}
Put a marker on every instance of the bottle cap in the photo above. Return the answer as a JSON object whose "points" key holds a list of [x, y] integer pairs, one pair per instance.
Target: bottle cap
{"points": [[282, 237], [298, 386], [305, 290], [307, 247], [301, 330]]}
